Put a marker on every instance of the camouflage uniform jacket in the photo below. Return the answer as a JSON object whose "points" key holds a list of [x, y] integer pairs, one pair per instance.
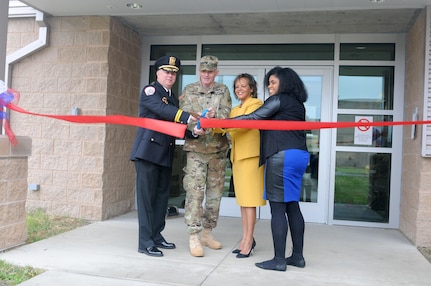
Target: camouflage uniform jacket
{"points": [[196, 99]]}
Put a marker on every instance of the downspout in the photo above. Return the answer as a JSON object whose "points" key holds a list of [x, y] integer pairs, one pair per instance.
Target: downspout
{"points": [[31, 48]]}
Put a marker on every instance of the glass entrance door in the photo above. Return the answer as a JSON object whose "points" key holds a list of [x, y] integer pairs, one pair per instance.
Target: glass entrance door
{"points": [[314, 196], [365, 191]]}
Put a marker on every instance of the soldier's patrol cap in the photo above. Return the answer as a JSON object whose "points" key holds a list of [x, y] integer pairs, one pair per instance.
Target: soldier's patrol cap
{"points": [[208, 63], [168, 63]]}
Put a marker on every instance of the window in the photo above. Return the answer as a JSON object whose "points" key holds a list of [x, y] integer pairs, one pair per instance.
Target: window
{"points": [[361, 52], [366, 87], [183, 52], [381, 135], [271, 51], [362, 186]]}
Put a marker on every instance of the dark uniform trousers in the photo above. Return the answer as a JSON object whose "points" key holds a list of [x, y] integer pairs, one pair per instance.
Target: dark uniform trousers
{"points": [[153, 154], [152, 197]]}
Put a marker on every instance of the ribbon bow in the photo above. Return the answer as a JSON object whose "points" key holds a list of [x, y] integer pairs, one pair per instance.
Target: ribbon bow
{"points": [[7, 95]]}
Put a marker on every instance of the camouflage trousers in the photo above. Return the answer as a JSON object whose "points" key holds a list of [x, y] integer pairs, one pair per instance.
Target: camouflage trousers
{"points": [[204, 179]]}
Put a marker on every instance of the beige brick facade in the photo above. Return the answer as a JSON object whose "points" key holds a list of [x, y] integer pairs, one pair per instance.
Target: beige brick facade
{"points": [[92, 63], [13, 191], [415, 218]]}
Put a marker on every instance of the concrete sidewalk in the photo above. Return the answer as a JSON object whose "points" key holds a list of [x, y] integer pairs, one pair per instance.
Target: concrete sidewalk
{"points": [[105, 253]]}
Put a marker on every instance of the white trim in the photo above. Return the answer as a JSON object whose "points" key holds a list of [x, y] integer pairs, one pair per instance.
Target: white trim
{"points": [[426, 96]]}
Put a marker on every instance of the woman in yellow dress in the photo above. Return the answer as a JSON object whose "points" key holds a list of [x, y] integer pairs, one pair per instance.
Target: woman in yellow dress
{"points": [[247, 175]]}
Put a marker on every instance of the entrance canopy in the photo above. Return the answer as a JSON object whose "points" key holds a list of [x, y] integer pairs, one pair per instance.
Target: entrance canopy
{"points": [[251, 17]]}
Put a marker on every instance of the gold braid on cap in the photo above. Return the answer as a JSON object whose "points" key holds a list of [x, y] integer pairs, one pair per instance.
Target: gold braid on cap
{"points": [[169, 68]]}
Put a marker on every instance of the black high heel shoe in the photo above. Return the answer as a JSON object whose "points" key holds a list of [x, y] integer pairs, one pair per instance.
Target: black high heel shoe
{"points": [[240, 255]]}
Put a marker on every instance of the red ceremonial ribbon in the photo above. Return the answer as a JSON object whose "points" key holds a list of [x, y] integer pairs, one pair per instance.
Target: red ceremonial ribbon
{"points": [[7, 96], [177, 130], [170, 128], [295, 125], [9, 133]]}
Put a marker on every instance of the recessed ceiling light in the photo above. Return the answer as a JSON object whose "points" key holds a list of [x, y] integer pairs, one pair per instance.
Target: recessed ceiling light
{"points": [[377, 1], [134, 6]]}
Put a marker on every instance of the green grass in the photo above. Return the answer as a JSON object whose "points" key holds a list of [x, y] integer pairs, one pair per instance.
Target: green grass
{"points": [[351, 186], [13, 275], [39, 226]]}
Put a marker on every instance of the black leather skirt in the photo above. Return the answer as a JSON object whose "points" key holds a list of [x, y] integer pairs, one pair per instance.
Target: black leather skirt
{"points": [[283, 175]]}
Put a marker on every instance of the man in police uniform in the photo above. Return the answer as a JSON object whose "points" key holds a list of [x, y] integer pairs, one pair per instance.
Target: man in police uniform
{"points": [[152, 154], [206, 157]]}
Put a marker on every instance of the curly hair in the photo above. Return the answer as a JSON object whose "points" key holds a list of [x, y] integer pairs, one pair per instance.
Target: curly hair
{"points": [[290, 82]]}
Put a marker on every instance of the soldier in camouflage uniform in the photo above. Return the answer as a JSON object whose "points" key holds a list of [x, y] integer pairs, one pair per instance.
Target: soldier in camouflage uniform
{"points": [[206, 157]]}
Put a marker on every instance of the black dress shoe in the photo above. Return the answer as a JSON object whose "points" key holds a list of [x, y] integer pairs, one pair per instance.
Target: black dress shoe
{"points": [[151, 251], [278, 264], [296, 260], [165, 245]]}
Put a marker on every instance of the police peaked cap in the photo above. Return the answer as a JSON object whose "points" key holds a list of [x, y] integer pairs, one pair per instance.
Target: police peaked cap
{"points": [[168, 63]]}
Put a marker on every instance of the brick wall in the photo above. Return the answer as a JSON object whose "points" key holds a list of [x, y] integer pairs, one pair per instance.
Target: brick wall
{"points": [[415, 218], [123, 89], [92, 63], [13, 191]]}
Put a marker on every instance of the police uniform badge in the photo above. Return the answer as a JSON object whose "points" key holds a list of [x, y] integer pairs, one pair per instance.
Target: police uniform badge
{"points": [[165, 100], [149, 90]]}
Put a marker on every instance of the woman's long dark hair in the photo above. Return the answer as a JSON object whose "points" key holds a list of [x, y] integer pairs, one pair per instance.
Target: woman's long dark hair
{"points": [[290, 82]]}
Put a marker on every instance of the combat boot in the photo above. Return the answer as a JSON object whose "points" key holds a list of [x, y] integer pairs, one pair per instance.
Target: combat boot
{"points": [[196, 248], [209, 240]]}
